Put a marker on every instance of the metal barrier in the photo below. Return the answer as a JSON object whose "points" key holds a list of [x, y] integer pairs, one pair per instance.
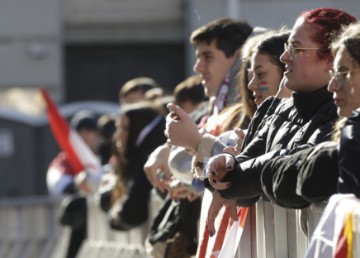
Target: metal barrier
{"points": [[28, 227], [284, 232], [110, 249], [102, 241]]}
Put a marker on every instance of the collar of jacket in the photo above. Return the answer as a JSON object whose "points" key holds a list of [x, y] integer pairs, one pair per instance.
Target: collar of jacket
{"points": [[309, 103]]}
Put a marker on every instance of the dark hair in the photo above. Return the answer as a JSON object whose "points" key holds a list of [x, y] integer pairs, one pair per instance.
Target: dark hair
{"points": [[350, 38], [229, 34], [190, 89], [327, 24], [140, 115], [273, 46], [247, 97], [84, 120], [106, 126]]}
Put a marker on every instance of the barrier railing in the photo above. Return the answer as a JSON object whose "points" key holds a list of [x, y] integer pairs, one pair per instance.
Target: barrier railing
{"points": [[102, 241], [284, 232], [29, 229]]}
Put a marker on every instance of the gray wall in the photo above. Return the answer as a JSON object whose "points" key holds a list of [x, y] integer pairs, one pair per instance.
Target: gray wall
{"points": [[33, 32], [31, 44]]}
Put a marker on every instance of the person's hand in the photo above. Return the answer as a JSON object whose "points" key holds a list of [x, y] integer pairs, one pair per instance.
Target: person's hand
{"points": [[81, 182], [156, 168], [217, 168], [181, 130], [235, 150], [179, 190], [217, 203], [89, 179], [115, 211], [107, 182]]}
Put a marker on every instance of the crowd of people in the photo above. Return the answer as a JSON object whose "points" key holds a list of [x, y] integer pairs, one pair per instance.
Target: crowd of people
{"points": [[271, 116]]}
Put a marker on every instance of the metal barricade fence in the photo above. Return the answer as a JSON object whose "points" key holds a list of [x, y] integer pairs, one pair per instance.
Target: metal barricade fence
{"points": [[284, 232], [102, 241], [28, 227]]}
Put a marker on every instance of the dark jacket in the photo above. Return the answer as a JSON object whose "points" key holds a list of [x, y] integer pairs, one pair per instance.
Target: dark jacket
{"points": [[349, 156], [297, 123], [312, 172], [135, 207], [265, 109]]}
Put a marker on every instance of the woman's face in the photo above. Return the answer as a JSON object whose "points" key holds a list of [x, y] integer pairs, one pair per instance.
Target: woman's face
{"points": [[122, 132], [305, 72], [266, 77], [345, 83]]}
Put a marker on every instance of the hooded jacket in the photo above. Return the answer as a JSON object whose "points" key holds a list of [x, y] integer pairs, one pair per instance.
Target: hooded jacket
{"points": [[299, 122]]}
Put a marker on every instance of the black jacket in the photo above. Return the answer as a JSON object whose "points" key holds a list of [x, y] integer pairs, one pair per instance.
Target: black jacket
{"points": [[265, 109], [312, 173], [297, 123], [135, 207], [349, 156]]}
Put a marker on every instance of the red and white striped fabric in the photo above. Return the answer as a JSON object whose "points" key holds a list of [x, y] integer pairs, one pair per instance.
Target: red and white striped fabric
{"points": [[226, 240], [80, 155]]}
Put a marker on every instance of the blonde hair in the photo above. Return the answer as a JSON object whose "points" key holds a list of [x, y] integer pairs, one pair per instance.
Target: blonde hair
{"points": [[337, 129]]}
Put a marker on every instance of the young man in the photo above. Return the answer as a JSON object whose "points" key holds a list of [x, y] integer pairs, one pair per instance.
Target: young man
{"points": [[217, 45]]}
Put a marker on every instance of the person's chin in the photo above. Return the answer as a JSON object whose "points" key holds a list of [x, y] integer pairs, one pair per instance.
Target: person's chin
{"points": [[288, 82], [209, 90], [258, 100]]}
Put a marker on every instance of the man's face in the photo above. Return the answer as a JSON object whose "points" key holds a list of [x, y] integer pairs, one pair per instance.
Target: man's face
{"points": [[305, 72], [212, 65]]}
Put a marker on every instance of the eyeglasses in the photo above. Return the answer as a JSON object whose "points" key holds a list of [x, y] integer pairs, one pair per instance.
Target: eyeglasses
{"points": [[291, 49], [340, 77]]}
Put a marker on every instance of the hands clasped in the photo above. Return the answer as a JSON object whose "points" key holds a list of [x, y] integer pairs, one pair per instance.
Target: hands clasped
{"points": [[218, 166]]}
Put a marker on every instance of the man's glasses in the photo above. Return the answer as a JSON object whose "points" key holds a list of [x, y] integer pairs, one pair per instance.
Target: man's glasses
{"points": [[341, 77], [291, 49]]}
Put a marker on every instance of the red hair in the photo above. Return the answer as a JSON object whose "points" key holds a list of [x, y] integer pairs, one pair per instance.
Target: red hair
{"points": [[326, 25]]}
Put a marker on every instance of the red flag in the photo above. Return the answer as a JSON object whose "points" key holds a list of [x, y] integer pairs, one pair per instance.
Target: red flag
{"points": [[61, 131]]}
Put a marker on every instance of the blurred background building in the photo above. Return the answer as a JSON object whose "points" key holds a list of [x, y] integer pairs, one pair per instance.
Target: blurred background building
{"points": [[86, 49]]}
